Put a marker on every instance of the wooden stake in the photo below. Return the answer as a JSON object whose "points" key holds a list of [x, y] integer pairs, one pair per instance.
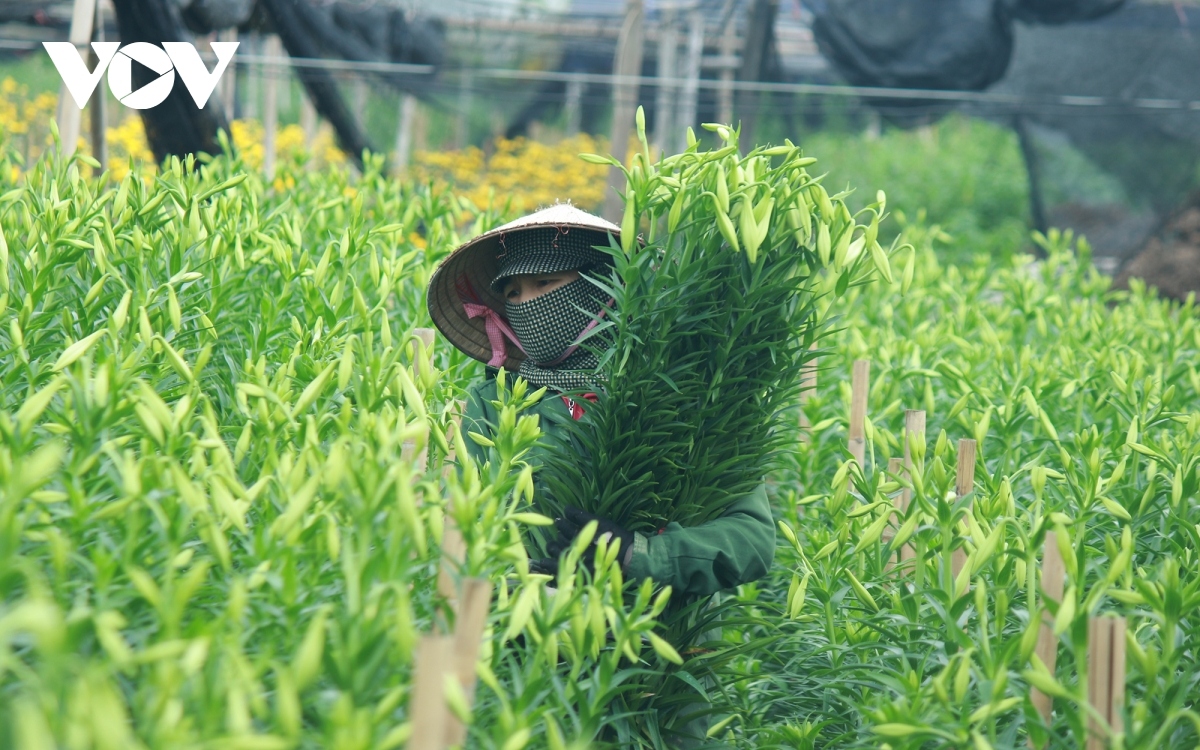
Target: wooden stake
{"points": [[468, 634], [573, 104], [99, 102], [691, 85], [965, 482], [427, 703], [69, 115], [860, 386], [462, 118], [271, 73], [668, 44], [408, 113], [228, 83], [308, 120], [360, 101], [628, 62], [1117, 674], [914, 430], [1053, 575], [252, 88], [727, 46]]}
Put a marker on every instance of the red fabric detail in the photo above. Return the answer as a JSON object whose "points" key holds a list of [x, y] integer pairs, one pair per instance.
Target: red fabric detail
{"points": [[662, 530], [575, 409]]}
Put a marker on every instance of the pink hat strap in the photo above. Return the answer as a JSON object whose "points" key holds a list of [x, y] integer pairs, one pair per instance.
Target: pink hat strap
{"points": [[497, 329]]}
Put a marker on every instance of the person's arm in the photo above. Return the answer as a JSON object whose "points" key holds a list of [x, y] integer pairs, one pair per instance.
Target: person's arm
{"points": [[700, 560]]}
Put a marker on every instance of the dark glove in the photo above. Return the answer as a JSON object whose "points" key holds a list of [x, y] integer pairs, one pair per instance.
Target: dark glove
{"points": [[568, 526]]}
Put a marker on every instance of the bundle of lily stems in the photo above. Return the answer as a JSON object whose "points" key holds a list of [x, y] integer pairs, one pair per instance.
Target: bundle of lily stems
{"points": [[726, 279]]}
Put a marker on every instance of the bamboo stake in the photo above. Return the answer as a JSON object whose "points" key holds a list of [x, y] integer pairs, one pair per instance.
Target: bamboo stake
{"points": [[1053, 575], [965, 482], [427, 704], [1117, 674], [69, 115], [914, 430], [468, 634], [1106, 678], [860, 386]]}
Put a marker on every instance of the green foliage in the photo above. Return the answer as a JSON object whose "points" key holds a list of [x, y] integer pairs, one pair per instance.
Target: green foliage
{"points": [[965, 174], [215, 532], [1083, 403]]}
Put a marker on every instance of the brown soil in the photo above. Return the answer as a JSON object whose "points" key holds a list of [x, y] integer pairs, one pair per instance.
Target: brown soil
{"points": [[1170, 258]]}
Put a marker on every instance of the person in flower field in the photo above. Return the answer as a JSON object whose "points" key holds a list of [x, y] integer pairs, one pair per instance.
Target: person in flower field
{"points": [[517, 297]]}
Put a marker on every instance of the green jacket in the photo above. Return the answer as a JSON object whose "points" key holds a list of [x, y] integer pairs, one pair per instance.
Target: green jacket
{"points": [[695, 561]]}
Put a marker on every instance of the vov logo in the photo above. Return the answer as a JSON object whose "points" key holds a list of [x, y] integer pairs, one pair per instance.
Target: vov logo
{"points": [[118, 61]]}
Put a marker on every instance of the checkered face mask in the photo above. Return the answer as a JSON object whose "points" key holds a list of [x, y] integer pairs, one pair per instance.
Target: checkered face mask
{"points": [[549, 325]]}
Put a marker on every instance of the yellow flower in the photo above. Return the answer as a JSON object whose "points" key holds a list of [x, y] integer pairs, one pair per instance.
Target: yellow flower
{"points": [[528, 173]]}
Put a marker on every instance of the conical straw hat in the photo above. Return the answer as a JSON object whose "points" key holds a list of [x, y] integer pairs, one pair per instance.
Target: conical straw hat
{"points": [[464, 279]]}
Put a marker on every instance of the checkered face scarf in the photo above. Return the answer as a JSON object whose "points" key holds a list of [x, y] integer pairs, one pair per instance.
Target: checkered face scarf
{"points": [[549, 326]]}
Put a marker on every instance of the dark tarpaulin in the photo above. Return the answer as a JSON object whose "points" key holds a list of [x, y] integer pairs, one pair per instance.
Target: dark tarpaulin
{"points": [[935, 44], [931, 44], [1062, 11]]}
